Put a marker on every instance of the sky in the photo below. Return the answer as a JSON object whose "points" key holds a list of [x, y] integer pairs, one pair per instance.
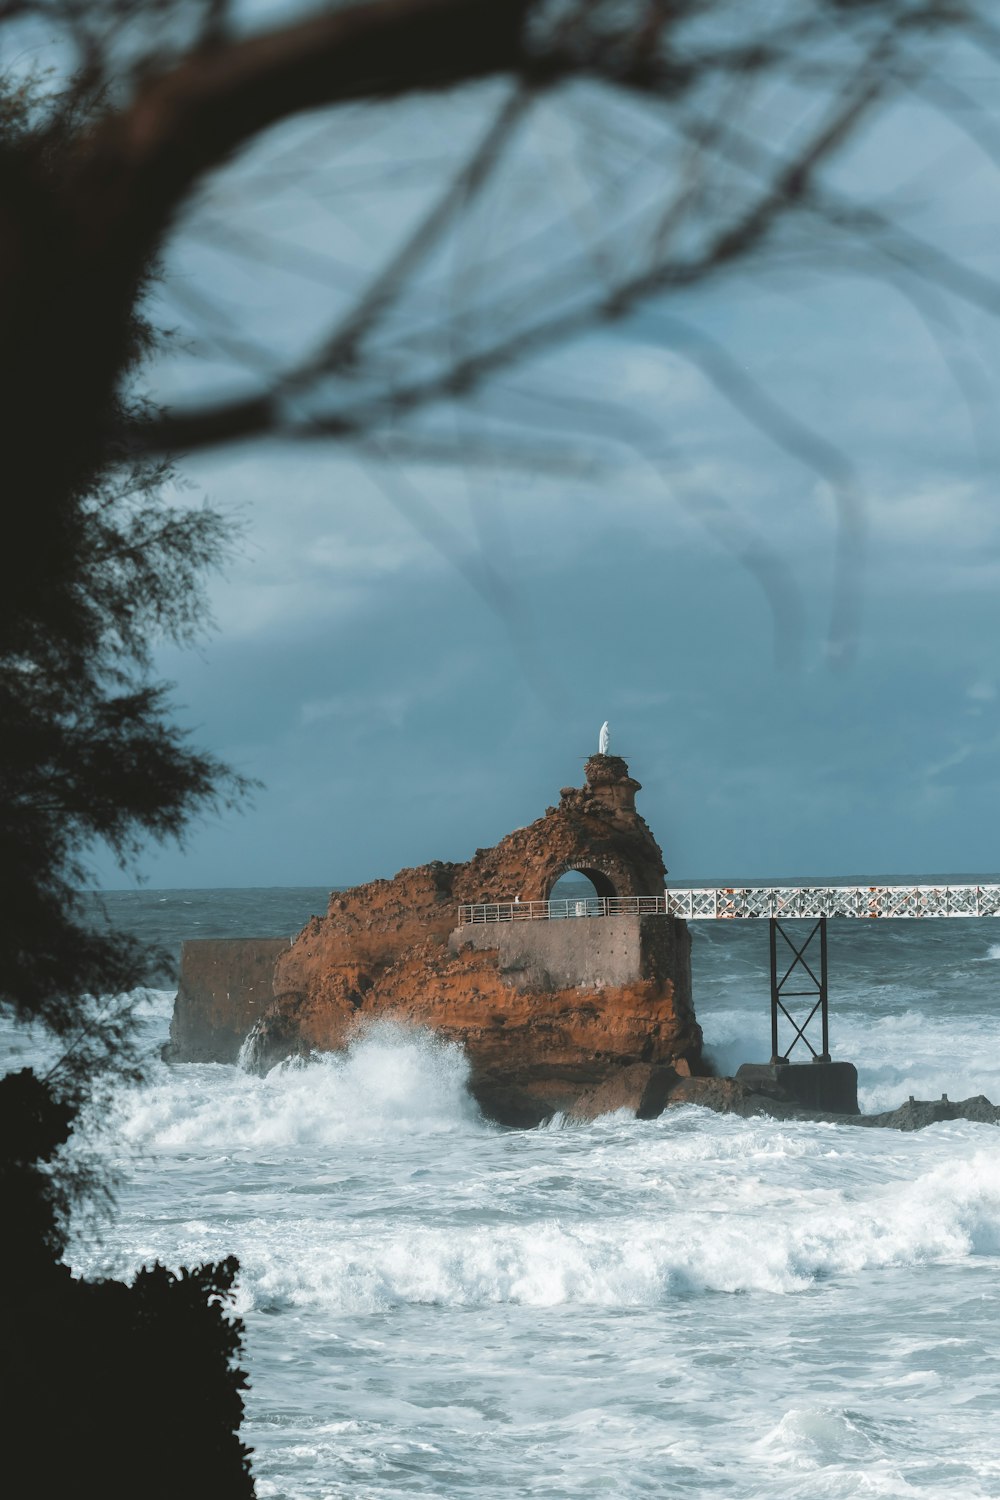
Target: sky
{"points": [[662, 563]]}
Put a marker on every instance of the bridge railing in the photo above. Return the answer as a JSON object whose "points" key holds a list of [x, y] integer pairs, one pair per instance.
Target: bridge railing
{"points": [[719, 903], [583, 906]]}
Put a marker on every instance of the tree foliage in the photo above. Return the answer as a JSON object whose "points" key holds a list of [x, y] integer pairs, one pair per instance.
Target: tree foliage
{"points": [[116, 1389], [104, 566], [111, 1389]]}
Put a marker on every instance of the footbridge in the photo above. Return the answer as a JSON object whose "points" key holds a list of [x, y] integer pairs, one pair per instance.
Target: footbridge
{"points": [[799, 969], [728, 902]]}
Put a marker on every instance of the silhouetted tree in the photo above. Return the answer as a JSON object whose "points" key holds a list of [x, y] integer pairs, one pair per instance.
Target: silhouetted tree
{"points": [[106, 1389], [118, 1390], [701, 131]]}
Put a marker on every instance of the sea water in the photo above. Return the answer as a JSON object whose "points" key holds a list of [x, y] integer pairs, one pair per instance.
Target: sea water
{"points": [[691, 1306]]}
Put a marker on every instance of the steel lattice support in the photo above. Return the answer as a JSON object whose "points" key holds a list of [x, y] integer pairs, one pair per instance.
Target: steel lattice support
{"points": [[808, 967]]}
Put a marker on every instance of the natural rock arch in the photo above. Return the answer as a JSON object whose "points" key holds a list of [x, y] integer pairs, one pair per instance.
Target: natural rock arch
{"points": [[595, 829]]}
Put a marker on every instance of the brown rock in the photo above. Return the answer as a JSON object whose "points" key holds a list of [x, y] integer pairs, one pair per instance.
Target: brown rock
{"points": [[552, 1014], [726, 1096], [639, 1088]]}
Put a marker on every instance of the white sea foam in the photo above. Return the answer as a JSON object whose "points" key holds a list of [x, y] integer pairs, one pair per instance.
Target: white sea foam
{"points": [[154, 1005], [920, 1054], [391, 1082], [947, 1214], [811, 1436]]}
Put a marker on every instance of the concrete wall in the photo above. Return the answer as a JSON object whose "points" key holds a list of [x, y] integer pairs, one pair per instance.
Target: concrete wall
{"points": [[225, 986], [666, 954], [586, 952]]}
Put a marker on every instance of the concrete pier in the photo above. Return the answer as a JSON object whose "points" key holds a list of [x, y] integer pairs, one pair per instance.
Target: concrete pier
{"points": [[225, 987], [828, 1086]]}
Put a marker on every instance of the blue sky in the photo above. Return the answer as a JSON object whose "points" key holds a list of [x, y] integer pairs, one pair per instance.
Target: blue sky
{"points": [[395, 717]]}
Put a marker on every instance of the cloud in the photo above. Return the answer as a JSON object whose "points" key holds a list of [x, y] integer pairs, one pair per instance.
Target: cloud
{"points": [[374, 708], [395, 716]]}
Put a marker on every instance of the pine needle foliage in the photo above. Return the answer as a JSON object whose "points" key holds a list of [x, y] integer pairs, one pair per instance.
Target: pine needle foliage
{"points": [[110, 563], [108, 1388]]}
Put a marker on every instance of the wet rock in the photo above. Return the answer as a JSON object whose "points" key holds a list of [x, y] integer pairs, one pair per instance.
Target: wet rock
{"points": [[731, 1096], [641, 1089], [917, 1113]]}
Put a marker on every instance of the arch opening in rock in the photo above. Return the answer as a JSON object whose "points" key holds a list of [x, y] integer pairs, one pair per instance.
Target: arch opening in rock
{"points": [[581, 882]]}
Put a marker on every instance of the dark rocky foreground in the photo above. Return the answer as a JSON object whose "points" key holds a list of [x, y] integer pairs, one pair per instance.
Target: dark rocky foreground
{"points": [[729, 1096]]}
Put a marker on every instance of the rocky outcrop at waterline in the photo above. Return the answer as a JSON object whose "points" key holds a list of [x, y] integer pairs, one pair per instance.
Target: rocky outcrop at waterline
{"points": [[549, 1013], [916, 1114], [730, 1096]]}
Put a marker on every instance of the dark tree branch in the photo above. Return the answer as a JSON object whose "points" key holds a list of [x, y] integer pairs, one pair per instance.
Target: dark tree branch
{"points": [[341, 347], [210, 425], [144, 160]]}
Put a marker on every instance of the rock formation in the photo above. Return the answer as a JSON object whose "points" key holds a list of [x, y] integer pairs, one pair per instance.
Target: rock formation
{"points": [[585, 1016], [553, 1015]]}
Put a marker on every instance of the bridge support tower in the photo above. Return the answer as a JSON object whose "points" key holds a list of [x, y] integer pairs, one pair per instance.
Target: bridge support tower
{"points": [[800, 996]]}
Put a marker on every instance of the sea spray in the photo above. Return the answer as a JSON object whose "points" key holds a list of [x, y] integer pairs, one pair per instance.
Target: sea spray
{"points": [[391, 1081]]}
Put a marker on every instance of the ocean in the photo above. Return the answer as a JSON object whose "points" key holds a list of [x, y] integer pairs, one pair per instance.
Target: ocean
{"points": [[692, 1306]]}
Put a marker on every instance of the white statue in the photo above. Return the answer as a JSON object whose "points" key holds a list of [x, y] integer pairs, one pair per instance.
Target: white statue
{"points": [[605, 739]]}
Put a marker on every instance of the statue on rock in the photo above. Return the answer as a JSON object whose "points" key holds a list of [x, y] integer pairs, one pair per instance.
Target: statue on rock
{"points": [[604, 739]]}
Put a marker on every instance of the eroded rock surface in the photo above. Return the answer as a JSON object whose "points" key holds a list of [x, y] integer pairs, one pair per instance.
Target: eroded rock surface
{"points": [[552, 1014]]}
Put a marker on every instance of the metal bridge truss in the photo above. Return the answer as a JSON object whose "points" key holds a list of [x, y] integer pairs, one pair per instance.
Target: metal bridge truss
{"points": [[864, 901]]}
